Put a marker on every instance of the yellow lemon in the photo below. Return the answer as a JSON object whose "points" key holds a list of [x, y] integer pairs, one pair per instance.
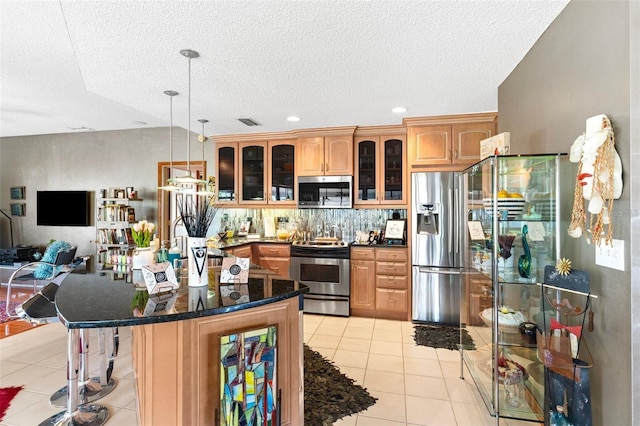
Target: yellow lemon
{"points": [[516, 195], [503, 193]]}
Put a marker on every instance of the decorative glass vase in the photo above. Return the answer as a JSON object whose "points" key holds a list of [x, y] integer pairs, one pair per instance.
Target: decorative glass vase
{"points": [[197, 257], [524, 263], [142, 256]]}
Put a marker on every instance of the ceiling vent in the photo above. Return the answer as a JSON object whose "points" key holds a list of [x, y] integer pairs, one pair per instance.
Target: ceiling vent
{"points": [[248, 121]]}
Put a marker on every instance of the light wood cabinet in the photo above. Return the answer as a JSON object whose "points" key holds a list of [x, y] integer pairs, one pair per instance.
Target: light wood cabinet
{"points": [[325, 155], [275, 257], [379, 282], [362, 269], [392, 283], [448, 142], [253, 172], [241, 251], [178, 378], [227, 166], [281, 172], [380, 166]]}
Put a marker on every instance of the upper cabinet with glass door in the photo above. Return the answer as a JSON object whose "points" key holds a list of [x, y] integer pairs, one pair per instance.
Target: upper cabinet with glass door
{"points": [[281, 171], [380, 167], [253, 156], [227, 172]]}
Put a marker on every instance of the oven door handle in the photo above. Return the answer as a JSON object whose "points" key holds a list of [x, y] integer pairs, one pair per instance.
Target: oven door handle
{"points": [[327, 297]]}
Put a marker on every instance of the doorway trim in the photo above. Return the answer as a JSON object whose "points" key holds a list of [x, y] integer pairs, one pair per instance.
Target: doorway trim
{"points": [[197, 168]]}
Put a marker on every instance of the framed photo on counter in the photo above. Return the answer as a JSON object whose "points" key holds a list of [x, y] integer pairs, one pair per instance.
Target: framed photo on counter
{"points": [[395, 231]]}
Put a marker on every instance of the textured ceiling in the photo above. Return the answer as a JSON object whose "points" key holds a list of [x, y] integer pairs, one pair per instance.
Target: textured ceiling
{"points": [[104, 65]]}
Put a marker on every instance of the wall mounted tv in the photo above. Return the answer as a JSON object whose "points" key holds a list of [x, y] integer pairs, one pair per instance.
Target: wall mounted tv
{"points": [[63, 208]]}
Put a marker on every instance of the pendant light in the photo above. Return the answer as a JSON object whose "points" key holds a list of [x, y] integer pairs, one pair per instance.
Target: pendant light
{"points": [[187, 178], [202, 138], [170, 186]]}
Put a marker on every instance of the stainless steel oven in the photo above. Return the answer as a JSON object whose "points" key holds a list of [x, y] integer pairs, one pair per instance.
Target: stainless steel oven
{"points": [[325, 270]]}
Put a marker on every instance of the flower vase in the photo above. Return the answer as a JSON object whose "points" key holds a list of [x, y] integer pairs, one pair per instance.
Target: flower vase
{"points": [[142, 256], [197, 257]]}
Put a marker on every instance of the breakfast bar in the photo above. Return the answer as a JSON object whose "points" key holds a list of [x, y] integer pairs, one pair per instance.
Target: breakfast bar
{"points": [[180, 339]]}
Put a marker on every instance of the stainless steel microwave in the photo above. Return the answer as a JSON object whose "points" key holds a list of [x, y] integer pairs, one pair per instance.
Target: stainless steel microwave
{"points": [[328, 192]]}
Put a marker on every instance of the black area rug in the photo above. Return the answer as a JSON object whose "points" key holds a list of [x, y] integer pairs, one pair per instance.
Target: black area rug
{"points": [[329, 395], [442, 336]]}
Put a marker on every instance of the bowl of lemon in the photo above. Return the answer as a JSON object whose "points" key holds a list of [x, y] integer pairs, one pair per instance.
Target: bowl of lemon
{"points": [[510, 202]]}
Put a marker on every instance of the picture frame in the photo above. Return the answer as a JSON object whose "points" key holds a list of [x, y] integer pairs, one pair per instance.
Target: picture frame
{"points": [[17, 192], [395, 230], [18, 209], [120, 193]]}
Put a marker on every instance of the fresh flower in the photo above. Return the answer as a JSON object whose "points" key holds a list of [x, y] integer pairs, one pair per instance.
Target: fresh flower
{"points": [[142, 232]]}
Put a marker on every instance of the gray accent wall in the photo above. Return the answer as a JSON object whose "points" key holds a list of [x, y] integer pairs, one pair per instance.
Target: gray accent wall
{"points": [[586, 64], [85, 161]]}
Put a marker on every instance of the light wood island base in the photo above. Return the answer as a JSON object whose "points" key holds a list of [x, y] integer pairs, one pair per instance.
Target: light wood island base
{"points": [[176, 364]]}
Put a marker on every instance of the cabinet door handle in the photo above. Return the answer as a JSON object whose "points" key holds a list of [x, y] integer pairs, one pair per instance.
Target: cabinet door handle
{"points": [[327, 167]]}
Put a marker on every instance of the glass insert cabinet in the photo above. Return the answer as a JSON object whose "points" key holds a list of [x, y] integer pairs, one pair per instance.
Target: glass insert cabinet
{"points": [[256, 172], [380, 176], [513, 206]]}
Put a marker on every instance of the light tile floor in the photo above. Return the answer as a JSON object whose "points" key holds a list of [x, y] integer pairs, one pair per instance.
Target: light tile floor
{"points": [[415, 385]]}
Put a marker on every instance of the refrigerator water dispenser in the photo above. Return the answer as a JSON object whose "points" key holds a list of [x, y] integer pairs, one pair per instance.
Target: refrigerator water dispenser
{"points": [[428, 219]]}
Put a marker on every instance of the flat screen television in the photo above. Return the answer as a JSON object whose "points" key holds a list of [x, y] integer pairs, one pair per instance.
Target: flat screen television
{"points": [[63, 208]]}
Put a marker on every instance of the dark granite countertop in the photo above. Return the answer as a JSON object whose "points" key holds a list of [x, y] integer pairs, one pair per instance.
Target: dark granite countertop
{"points": [[105, 299]]}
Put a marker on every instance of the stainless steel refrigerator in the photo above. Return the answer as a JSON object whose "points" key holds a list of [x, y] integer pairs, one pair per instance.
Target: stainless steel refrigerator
{"points": [[436, 247]]}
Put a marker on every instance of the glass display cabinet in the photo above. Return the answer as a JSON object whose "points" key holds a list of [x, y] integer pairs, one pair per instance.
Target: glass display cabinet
{"points": [[282, 172], [380, 176], [227, 162], [252, 173], [514, 228]]}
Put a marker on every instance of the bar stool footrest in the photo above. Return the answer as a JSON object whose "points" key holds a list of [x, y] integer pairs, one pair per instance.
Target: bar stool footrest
{"points": [[87, 393], [85, 415]]}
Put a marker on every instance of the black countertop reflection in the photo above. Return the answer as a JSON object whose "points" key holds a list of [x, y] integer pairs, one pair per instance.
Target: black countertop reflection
{"points": [[104, 299]]}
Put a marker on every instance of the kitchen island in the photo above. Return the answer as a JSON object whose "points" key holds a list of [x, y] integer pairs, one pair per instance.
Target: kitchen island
{"points": [[177, 337]]}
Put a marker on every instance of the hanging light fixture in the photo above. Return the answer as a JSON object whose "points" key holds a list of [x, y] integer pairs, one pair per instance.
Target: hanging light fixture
{"points": [[206, 188], [188, 178], [170, 186]]}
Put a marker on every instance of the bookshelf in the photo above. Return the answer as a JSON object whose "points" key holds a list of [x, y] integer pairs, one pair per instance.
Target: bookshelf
{"points": [[114, 243]]}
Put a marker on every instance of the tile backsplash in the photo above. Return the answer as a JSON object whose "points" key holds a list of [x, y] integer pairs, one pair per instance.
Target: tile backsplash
{"points": [[341, 223]]}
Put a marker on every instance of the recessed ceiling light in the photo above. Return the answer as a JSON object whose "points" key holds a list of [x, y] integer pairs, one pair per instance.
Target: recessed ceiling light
{"points": [[399, 110], [293, 118]]}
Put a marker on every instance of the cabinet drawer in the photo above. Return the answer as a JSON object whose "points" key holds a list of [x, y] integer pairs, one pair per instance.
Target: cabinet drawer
{"points": [[273, 250], [391, 268], [243, 251], [276, 264], [394, 255], [391, 300], [392, 281], [363, 253]]}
